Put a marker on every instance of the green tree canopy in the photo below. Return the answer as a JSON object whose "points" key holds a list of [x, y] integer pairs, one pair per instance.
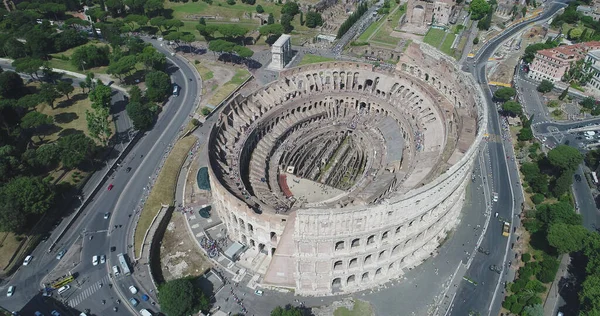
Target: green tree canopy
{"points": [[545, 86], [567, 238], [313, 19], [179, 297], [75, 149], [158, 84], [479, 9], [65, 88], [504, 93], [30, 194], [512, 108], [142, 115], [101, 96], [565, 157], [290, 8], [11, 85], [286, 311], [48, 93]]}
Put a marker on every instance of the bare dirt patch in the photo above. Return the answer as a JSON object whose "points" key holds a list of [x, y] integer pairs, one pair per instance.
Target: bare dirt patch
{"points": [[511, 51], [180, 256]]}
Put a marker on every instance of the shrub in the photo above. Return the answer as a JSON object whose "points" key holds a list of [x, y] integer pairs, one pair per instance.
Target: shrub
{"points": [[526, 257], [259, 9], [537, 198], [205, 111], [476, 40]]}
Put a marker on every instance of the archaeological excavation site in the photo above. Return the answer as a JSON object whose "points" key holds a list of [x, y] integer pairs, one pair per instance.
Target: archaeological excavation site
{"points": [[345, 175]]}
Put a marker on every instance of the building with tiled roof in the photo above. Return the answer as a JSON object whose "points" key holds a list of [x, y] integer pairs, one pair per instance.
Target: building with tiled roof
{"points": [[551, 64]]}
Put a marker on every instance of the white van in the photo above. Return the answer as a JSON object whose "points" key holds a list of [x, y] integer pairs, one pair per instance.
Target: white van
{"points": [[116, 270], [145, 312], [63, 289]]}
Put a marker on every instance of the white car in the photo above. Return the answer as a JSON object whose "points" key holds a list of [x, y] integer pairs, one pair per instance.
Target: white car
{"points": [[102, 259], [133, 289], [95, 260], [11, 291], [27, 260], [259, 292], [106, 215]]}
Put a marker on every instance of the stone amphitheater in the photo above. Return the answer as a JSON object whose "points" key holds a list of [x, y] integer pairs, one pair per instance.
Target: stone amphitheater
{"points": [[346, 175]]}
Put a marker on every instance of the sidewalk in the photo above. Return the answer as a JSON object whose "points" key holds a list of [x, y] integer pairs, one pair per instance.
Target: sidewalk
{"points": [[553, 295]]}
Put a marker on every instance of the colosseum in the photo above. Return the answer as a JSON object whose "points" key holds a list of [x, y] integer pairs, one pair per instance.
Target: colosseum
{"points": [[344, 174]]}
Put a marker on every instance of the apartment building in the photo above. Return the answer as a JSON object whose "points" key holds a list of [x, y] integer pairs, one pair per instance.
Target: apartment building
{"points": [[551, 64]]}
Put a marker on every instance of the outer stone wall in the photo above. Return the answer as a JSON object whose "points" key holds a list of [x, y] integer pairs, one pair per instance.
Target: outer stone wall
{"points": [[327, 249]]}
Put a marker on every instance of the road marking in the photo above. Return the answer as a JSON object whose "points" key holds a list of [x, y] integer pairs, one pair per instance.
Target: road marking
{"points": [[89, 291]]}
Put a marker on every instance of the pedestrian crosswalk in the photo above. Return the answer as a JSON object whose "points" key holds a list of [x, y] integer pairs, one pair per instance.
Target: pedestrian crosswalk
{"points": [[89, 291]]}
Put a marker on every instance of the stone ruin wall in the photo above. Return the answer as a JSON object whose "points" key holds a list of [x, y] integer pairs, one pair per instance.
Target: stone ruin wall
{"points": [[324, 251]]}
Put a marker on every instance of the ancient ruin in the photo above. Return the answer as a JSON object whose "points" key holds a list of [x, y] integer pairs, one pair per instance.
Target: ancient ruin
{"points": [[345, 175], [281, 52], [420, 14]]}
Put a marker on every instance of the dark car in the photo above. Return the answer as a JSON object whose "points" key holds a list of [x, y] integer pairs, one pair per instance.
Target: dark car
{"points": [[128, 169], [577, 178]]}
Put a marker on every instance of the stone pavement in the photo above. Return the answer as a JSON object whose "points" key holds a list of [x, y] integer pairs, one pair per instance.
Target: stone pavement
{"points": [[552, 299]]}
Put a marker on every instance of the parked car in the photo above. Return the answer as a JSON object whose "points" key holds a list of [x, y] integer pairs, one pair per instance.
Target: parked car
{"points": [[259, 292], [110, 186], [60, 254], [133, 289], [106, 215], [102, 259], [27, 260], [134, 301], [55, 313], [95, 260], [11, 291]]}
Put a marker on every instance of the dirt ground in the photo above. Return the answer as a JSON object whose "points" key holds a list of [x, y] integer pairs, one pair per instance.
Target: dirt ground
{"points": [[180, 256], [503, 71]]}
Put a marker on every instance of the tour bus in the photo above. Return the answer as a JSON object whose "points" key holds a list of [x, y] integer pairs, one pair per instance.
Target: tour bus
{"points": [[124, 265]]}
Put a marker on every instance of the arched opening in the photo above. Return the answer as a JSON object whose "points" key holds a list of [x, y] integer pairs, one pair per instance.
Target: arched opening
{"points": [[336, 284], [339, 245], [368, 259], [365, 277], [353, 263], [338, 265], [370, 240], [355, 243], [351, 279]]}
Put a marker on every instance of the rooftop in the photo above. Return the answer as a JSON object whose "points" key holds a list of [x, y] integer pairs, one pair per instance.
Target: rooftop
{"points": [[569, 52], [281, 40]]}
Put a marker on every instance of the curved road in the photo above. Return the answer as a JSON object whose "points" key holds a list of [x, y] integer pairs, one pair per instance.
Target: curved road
{"points": [[486, 296], [144, 160]]}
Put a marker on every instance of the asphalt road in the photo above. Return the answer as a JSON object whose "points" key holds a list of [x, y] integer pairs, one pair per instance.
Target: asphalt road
{"points": [[144, 160], [486, 296]]}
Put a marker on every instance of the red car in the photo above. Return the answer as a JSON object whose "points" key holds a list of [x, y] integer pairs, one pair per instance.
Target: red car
{"points": [[110, 186]]}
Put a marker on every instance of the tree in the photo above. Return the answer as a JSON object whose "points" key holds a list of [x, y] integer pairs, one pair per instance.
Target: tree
{"points": [[479, 9], [565, 157], [11, 219], [525, 134], [567, 238], [90, 56], [135, 94], [135, 20], [476, 41], [313, 19], [29, 101], [575, 33], [533, 310], [28, 65], [259, 9], [142, 115], [505, 93], [512, 108], [65, 88], [290, 8], [180, 297], [562, 183], [158, 84], [98, 122], [152, 58], [545, 86], [288, 310], [30, 194], [35, 120], [563, 94], [122, 67], [101, 96], [270, 19], [588, 103], [75, 149], [286, 22], [48, 93], [11, 85]]}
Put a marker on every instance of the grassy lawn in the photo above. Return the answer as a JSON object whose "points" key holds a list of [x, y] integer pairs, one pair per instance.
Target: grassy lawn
{"points": [[379, 32], [163, 191], [205, 73], [7, 247], [191, 12], [447, 44], [240, 76], [313, 59], [360, 308], [434, 37], [56, 62], [69, 115]]}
